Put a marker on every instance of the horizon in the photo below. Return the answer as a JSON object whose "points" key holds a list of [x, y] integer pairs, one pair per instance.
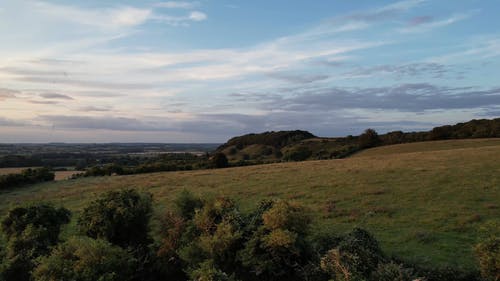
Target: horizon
{"points": [[180, 72]]}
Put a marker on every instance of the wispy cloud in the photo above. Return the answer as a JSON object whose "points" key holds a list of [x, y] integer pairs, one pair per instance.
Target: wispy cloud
{"points": [[114, 18], [423, 24], [177, 5], [55, 96], [7, 93]]}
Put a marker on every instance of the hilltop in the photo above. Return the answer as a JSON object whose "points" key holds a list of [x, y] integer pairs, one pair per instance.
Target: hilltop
{"points": [[424, 204], [298, 145]]}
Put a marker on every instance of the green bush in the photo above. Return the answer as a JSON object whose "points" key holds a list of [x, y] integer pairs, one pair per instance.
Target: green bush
{"points": [[355, 258], [219, 160], [28, 176], [392, 272], [120, 217], [30, 232], [85, 259], [186, 204]]}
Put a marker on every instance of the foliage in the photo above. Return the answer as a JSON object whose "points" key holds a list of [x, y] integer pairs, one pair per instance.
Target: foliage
{"points": [[28, 176], [120, 217], [392, 272], [368, 139], [300, 153], [219, 160], [275, 139], [186, 204], [355, 258], [277, 249], [31, 232], [85, 259]]}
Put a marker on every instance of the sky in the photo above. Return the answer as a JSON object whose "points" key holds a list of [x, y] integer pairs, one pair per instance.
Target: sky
{"points": [[208, 70]]}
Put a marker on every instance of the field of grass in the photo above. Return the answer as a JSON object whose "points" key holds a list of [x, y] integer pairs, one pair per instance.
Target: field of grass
{"points": [[424, 201]]}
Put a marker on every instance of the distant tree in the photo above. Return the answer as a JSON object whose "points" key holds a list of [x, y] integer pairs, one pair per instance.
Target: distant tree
{"points": [[85, 259], [300, 153], [219, 160], [368, 139], [120, 217]]}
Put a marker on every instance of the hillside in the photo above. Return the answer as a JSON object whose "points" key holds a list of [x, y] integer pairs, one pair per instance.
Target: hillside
{"points": [[269, 147], [424, 204]]}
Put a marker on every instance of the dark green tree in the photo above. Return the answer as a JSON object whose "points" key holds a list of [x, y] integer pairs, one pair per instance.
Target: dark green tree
{"points": [[30, 232], [219, 160], [368, 139], [120, 217]]}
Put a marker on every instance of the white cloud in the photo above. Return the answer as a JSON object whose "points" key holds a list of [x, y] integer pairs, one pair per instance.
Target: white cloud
{"points": [[197, 16], [111, 18], [176, 5]]}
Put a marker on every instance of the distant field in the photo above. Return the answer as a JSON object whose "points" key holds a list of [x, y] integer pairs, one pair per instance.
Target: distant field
{"points": [[423, 201], [60, 175], [427, 146]]}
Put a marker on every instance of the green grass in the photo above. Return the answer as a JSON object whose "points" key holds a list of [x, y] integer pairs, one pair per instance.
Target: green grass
{"points": [[425, 202]]}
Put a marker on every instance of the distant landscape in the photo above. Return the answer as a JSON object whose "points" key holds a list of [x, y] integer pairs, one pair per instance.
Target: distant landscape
{"points": [[219, 140], [428, 202]]}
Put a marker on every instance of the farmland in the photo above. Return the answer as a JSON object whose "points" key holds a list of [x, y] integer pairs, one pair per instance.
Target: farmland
{"points": [[426, 205]]}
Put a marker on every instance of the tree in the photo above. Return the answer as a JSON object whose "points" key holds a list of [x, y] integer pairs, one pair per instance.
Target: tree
{"points": [[30, 232], [120, 217], [85, 259], [219, 160], [368, 139]]}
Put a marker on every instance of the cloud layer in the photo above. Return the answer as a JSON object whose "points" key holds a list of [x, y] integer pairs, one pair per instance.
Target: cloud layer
{"points": [[116, 69]]}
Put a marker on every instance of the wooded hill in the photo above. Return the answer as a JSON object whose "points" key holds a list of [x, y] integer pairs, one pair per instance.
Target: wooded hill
{"points": [[302, 145]]}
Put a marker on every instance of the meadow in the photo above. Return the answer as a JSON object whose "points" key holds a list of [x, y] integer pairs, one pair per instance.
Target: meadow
{"points": [[425, 202]]}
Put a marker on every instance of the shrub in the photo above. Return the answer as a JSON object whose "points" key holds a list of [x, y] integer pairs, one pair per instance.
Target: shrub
{"points": [[300, 153], [392, 272], [368, 139], [30, 233], [85, 259], [355, 258], [186, 204], [120, 217], [28, 176], [219, 160]]}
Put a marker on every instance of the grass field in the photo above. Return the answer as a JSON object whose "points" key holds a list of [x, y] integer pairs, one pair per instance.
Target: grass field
{"points": [[424, 202]]}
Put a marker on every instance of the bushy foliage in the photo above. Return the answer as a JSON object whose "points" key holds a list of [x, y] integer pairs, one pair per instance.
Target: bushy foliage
{"points": [[355, 258], [120, 217], [300, 153], [277, 249], [274, 139], [186, 204], [85, 259], [368, 139], [219, 160], [392, 272], [30, 232], [28, 176]]}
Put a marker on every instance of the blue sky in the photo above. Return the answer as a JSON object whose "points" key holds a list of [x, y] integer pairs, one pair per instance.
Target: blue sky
{"points": [[204, 71]]}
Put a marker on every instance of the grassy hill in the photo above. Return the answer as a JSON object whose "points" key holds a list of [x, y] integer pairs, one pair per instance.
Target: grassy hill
{"points": [[423, 201]]}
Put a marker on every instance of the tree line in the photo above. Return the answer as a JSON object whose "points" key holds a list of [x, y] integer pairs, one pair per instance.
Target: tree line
{"points": [[203, 239], [26, 177]]}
